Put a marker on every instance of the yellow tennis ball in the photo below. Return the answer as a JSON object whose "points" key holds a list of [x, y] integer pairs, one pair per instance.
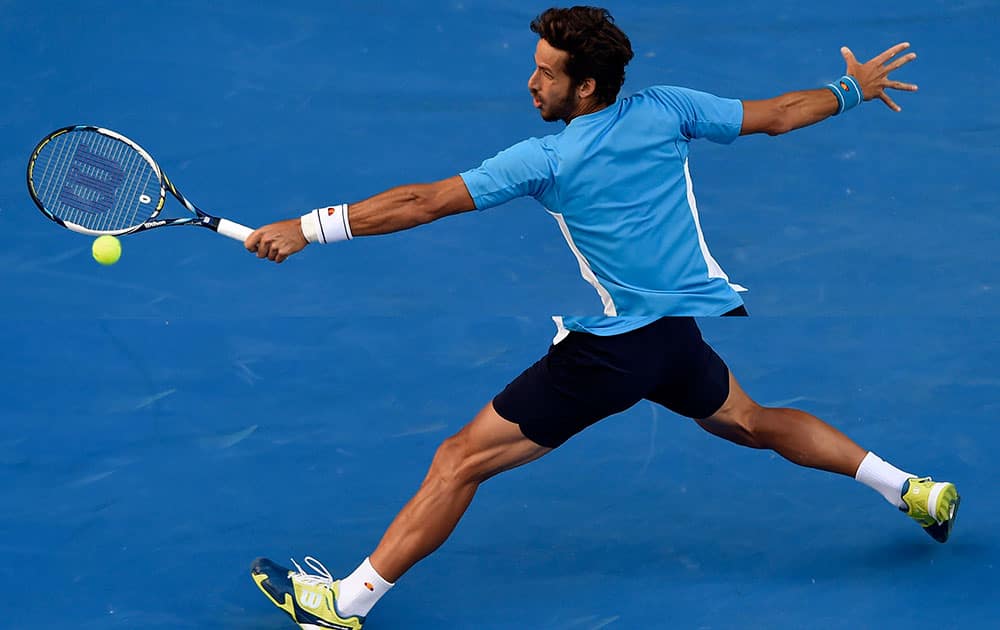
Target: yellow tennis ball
{"points": [[106, 249]]}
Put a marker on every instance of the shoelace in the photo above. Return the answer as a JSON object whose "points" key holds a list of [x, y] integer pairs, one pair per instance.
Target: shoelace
{"points": [[323, 579]]}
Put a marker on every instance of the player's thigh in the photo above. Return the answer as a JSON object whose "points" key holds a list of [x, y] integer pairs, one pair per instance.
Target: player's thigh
{"points": [[581, 380], [490, 444], [694, 380]]}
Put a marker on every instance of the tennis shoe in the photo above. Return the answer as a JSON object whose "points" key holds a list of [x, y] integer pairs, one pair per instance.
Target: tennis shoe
{"points": [[310, 600], [932, 504]]}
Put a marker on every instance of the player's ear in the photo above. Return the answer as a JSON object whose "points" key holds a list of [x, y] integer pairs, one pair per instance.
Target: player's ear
{"points": [[586, 88]]}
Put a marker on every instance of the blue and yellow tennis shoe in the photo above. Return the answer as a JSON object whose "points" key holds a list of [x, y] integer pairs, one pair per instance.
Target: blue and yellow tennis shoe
{"points": [[933, 504], [310, 600]]}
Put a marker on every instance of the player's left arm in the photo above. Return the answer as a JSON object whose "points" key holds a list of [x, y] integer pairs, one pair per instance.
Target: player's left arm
{"points": [[394, 210], [795, 110]]}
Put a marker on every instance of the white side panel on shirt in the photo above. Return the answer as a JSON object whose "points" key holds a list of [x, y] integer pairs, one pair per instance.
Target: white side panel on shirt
{"points": [[714, 270], [585, 270]]}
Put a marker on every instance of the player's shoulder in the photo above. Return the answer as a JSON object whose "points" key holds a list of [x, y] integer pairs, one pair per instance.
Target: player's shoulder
{"points": [[658, 89], [541, 153], [654, 100], [537, 144], [666, 94], [678, 99]]}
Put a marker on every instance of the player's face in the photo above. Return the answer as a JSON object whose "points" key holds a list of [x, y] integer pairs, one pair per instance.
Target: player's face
{"points": [[553, 91]]}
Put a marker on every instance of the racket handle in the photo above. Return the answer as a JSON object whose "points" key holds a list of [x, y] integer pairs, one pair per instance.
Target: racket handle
{"points": [[233, 230]]}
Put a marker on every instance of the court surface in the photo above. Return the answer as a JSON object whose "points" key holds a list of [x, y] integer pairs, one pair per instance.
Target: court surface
{"points": [[168, 419]]}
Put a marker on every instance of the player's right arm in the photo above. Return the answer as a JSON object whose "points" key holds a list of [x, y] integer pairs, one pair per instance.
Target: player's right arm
{"points": [[524, 169], [794, 110], [396, 209], [405, 207]]}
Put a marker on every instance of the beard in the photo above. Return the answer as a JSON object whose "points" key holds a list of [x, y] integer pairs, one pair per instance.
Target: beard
{"points": [[560, 109]]}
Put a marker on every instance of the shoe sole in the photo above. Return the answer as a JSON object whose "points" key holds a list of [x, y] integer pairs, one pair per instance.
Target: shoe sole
{"points": [[942, 531]]}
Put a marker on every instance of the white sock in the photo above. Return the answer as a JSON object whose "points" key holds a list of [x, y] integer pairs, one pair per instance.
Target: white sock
{"points": [[883, 477], [361, 590]]}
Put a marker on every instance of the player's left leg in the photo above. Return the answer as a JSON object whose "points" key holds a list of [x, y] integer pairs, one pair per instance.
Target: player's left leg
{"points": [[795, 435], [808, 441]]}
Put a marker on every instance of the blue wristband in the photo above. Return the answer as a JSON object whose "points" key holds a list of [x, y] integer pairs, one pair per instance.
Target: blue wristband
{"points": [[847, 91]]}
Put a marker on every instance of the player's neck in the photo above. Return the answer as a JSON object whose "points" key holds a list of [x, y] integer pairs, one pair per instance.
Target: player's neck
{"points": [[585, 107]]}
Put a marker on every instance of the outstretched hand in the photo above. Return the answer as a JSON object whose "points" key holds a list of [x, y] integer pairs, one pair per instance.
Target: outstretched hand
{"points": [[277, 241], [873, 76]]}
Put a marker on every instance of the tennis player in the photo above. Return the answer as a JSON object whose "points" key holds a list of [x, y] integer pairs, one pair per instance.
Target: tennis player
{"points": [[617, 183]]}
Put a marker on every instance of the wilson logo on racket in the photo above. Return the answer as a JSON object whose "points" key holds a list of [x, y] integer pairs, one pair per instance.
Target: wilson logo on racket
{"points": [[92, 182]]}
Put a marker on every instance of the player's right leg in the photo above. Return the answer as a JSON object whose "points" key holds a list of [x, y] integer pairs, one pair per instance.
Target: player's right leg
{"points": [[581, 380], [486, 446]]}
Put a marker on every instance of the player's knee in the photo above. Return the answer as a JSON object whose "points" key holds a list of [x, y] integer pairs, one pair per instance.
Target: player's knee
{"points": [[751, 422], [740, 424], [453, 461]]}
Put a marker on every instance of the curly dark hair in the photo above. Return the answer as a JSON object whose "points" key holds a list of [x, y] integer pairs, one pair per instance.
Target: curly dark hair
{"points": [[597, 48]]}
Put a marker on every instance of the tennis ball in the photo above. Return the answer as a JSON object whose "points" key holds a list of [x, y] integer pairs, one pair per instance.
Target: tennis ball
{"points": [[106, 249]]}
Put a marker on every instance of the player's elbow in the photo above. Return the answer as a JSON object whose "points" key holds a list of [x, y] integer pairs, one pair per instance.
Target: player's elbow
{"points": [[788, 113], [442, 199], [780, 120], [772, 116], [426, 206], [782, 124], [778, 129]]}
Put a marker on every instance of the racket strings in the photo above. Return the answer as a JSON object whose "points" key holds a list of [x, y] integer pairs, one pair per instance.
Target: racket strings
{"points": [[96, 181]]}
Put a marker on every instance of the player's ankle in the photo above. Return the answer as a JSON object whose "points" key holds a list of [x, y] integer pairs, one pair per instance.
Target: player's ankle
{"points": [[884, 478], [361, 590]]}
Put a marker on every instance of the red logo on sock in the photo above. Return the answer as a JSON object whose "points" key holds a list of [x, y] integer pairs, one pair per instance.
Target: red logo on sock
{"points": [[369, 587], [331, 211]]}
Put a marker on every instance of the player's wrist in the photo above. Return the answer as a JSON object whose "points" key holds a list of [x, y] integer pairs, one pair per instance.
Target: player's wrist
{"points": [[847, 89], [326, 225]]}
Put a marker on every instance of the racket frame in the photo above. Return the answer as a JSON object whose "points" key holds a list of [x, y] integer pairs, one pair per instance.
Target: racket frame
{"points": [[201, 218]]}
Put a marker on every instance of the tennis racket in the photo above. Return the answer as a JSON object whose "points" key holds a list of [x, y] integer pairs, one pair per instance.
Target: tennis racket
{"points": [[95, 181]]}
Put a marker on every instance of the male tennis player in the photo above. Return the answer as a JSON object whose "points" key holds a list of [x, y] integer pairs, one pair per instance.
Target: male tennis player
{"points": [[616, 181]]}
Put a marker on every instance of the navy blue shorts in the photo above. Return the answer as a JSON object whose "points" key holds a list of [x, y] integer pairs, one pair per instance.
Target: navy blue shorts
{"points": [[585, 378]]}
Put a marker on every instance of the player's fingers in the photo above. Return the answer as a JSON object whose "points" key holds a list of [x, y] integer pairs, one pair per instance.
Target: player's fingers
{"points": [[889, 102], [252, 241], [891, 52], [905, 59], [262, 248], [899, 85]]}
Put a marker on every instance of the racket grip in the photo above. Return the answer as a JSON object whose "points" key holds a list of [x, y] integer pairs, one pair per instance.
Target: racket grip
{"points": [[234, 230]]}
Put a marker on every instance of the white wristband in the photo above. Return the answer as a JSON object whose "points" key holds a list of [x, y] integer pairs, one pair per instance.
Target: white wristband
{"points": [[327, 225]]}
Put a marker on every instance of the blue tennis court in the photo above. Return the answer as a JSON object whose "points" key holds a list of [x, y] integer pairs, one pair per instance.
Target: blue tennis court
{"points": [[168, 419]]}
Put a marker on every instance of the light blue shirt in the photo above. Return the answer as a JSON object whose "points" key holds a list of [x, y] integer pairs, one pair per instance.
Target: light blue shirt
{"points": [[617, 183]]}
